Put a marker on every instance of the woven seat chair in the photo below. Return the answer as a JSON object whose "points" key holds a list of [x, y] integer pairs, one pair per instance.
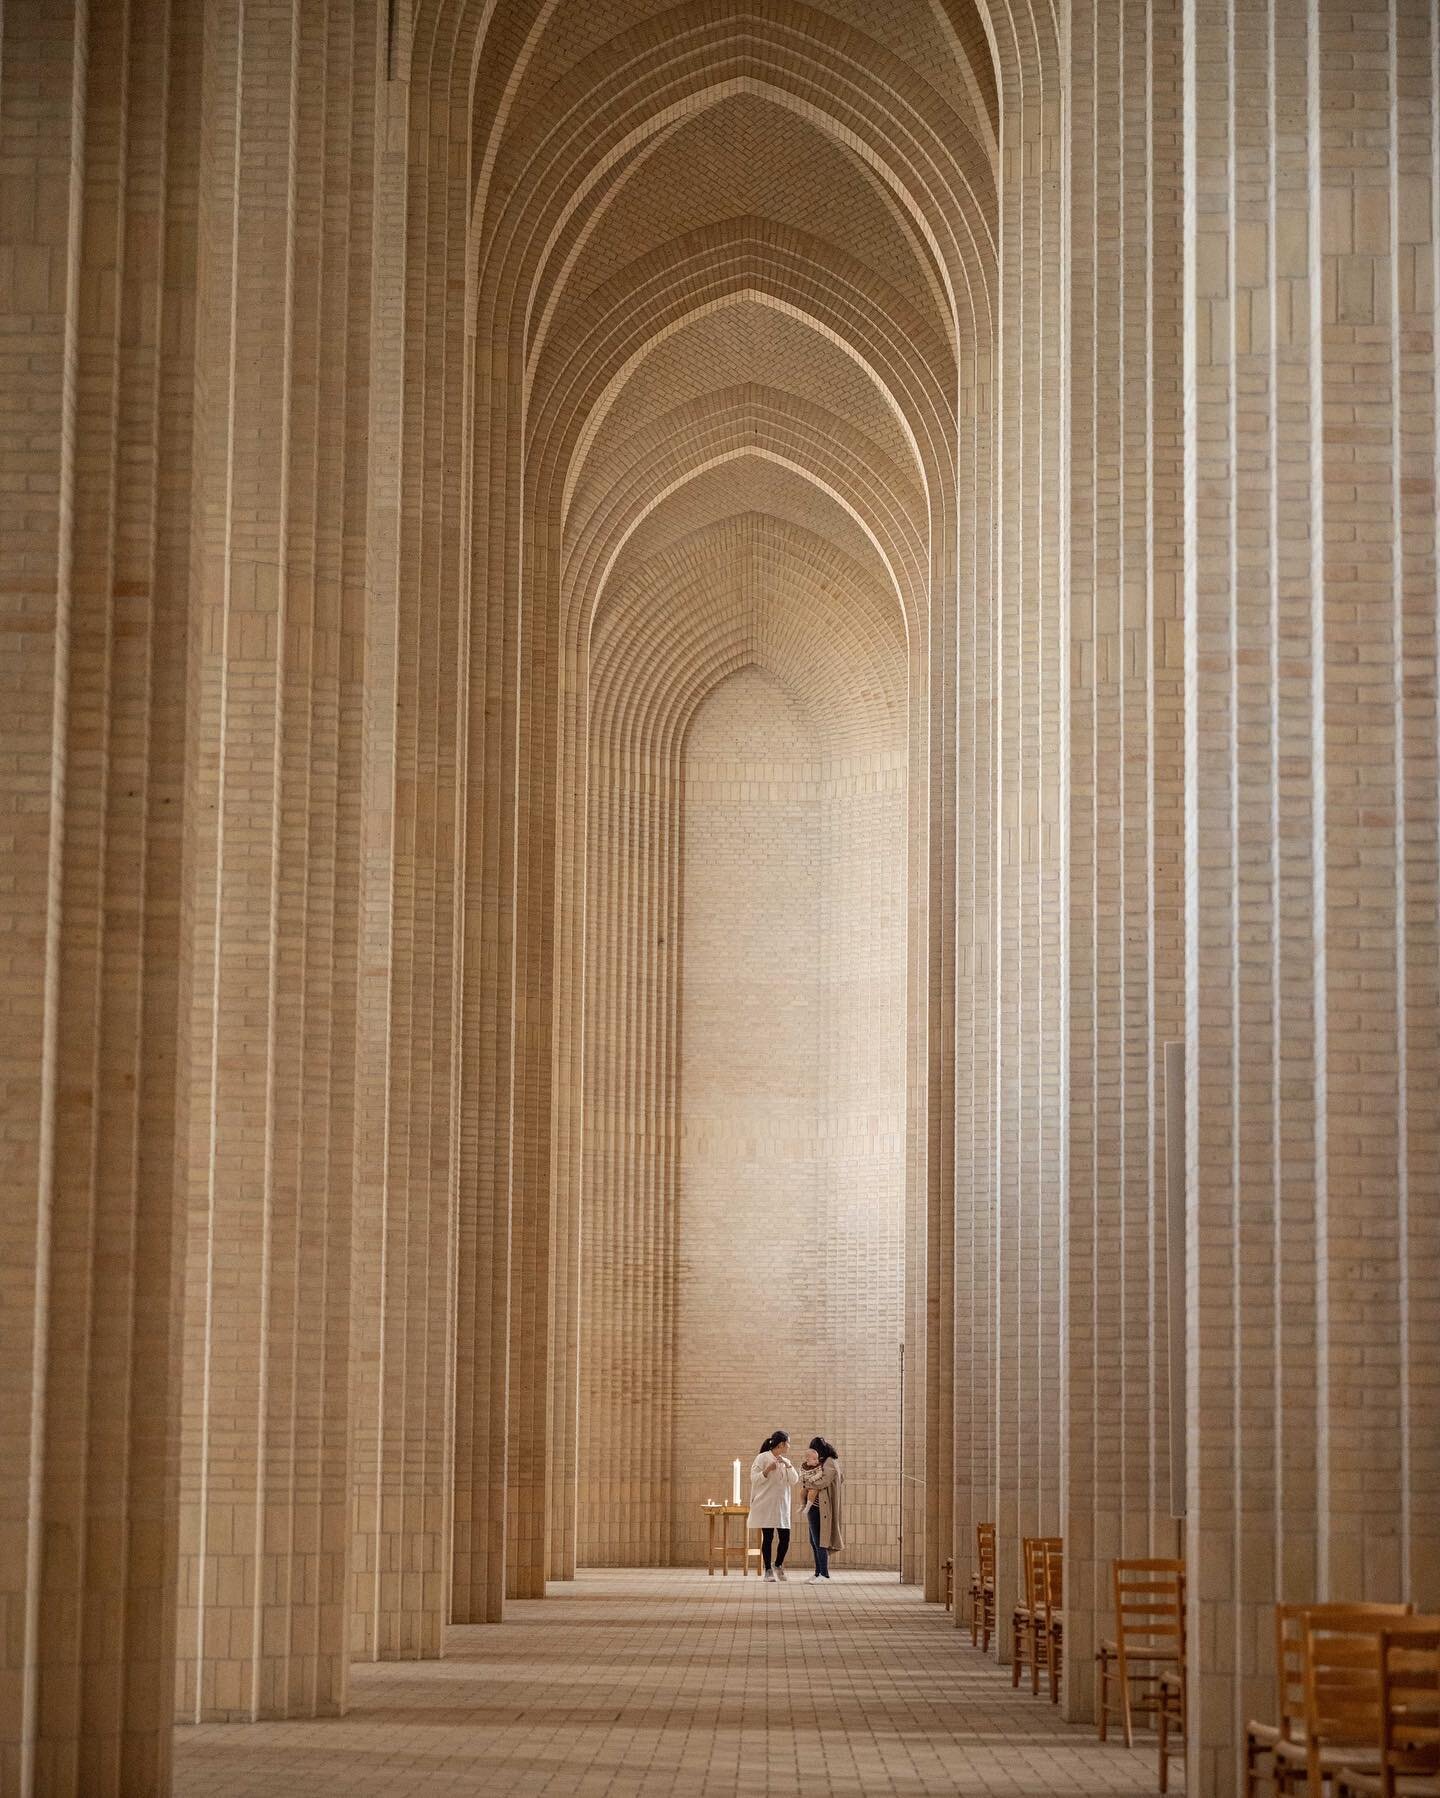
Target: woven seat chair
{"points": [[1023, 1642], [1261, 1738], [1170, 1720], [1149, 1638], [1048, 1622], [1409, 1717], [982, 1587], [1342, 1721]]}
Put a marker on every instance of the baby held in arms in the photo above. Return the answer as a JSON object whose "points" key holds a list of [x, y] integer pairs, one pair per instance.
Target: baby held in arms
{"points": [[820, 1484]]}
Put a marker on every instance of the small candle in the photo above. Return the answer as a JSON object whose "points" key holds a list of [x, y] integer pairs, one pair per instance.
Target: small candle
{"points": [[735, 1484]]}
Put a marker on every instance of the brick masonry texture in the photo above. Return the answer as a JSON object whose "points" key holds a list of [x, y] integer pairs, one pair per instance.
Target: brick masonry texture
{"points": [[662, 1682], [650, 652]]}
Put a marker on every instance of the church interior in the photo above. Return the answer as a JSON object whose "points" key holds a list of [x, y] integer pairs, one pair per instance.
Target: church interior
{"points": [[718, 716]]}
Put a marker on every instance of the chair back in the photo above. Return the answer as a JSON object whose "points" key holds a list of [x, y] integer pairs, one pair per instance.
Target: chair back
{"points": [[1052, 1576], [1342, 1679], [1409, 1701], [1039, 1552], [985, 1552], [1032, 1568], [1150, 1611], [1290, 1654]]}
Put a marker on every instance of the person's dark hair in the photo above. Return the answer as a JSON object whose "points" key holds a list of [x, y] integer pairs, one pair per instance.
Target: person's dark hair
{"points": [[825, 1450], [773, 1441]]}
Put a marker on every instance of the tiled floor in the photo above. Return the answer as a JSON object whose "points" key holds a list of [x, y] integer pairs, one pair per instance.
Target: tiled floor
{"points": [[671, 1682]]}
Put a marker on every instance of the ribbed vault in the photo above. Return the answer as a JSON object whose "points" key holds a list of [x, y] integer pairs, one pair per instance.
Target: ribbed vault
{"points": [[709, 276], [792, 353]]}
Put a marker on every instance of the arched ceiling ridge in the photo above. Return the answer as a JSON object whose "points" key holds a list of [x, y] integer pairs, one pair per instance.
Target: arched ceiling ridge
{"points": [[896, 588], [935, 453], [965, 31], [609, 204], [821, 451], [819, 268], [763, 533], [445, 44], [967, 293], [549, 142], [506, 83], [628, 713], [846, 729], [909, 597], [745, 414], [743, 486], [556, 168], [1025, 38], [852, 703], [568, 417], [595, 422], [741, 593], [439, 40], [542, 311]]}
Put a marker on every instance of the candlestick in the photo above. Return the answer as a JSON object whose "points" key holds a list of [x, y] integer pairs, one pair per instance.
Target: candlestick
{"points": [[735, 1485]]}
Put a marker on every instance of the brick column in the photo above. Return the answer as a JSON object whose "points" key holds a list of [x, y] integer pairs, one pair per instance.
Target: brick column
{"points": [[95, 253], [405, 1280], [1311, 175], [275, 858], [1126, 749]]}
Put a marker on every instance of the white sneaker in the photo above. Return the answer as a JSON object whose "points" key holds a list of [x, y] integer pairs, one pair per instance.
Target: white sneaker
{"points": [[769, 1577], [816, 1579], [780, 1573]]}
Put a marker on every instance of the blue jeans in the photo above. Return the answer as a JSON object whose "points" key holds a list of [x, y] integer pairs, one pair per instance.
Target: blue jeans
{"points": [[822, 1555]]}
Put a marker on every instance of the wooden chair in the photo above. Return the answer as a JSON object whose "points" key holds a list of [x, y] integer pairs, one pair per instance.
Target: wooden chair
{"points": [[1048, 1626], [1409, 1717], [1341, 1674], [982, 1587], [1169, 1715], [1022, 1618], [1261, 1738], [1149, 1637], [1037, 1622]]}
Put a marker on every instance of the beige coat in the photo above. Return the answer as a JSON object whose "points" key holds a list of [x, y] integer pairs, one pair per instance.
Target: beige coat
{"points": [[823, 1488]]}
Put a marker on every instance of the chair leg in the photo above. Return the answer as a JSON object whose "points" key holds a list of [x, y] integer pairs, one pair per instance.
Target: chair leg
{"points": [[1126, 1714], [1104, 1661], [1054, 1660], [1162, 1726], [1034, 1660]]}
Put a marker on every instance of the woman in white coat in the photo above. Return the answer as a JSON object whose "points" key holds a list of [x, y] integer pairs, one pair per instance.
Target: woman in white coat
{"points": [[772, 1478]]}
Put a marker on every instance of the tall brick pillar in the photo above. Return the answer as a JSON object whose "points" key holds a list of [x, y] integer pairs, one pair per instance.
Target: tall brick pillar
{"points": [[275, 848], [96, 260], [1310, 286]]}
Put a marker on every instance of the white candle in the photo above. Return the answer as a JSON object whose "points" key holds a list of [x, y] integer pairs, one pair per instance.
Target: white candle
{"points": [[735, 1484]]}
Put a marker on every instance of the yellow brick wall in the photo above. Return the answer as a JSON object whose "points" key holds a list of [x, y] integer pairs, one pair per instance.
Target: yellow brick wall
{"points": [[744, 1062]]}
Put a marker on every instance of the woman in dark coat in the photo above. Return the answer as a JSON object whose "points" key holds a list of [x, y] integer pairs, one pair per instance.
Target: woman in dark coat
{"points": [[821, 1482]]}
